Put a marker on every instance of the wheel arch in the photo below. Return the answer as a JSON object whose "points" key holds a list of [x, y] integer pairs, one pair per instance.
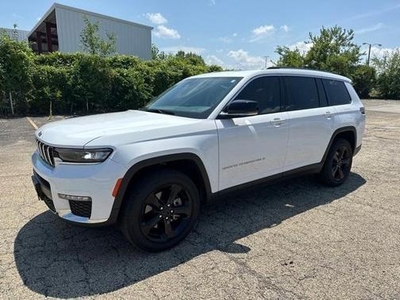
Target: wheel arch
{"points": [[188, 163], [348, 133]]}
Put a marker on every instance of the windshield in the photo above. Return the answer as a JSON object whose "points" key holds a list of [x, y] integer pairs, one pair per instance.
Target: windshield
{"points": [[193, 97]]}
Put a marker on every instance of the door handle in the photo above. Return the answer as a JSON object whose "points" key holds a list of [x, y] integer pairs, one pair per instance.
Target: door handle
{"points": [[277, 122]]}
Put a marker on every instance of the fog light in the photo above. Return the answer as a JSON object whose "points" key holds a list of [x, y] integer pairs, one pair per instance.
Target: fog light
{"points": [[74, 197]]}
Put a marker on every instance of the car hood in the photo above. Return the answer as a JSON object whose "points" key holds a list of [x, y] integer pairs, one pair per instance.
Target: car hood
{"points": [[112, 128]]}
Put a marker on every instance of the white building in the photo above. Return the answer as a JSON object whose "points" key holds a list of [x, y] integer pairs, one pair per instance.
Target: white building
{"points": [[19, 35], [61, 27]]}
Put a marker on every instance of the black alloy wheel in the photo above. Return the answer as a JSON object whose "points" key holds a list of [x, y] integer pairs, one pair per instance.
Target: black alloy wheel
{"points": [[338, 163], [166, 213], [341, 163], [160, 211]]}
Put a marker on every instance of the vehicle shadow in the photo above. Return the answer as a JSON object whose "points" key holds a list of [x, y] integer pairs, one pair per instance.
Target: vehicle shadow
{"points": [[56, 259]]}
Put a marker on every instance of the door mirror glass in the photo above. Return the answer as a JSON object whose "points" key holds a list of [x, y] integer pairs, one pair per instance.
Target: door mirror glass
{"points": [[240, 108]]}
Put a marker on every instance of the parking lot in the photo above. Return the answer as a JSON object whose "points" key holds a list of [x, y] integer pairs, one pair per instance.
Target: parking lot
{"points": [[295, 239]]}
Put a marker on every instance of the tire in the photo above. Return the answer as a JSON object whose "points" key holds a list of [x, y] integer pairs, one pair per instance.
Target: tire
{"points": [[160, 211], [338, 163]]}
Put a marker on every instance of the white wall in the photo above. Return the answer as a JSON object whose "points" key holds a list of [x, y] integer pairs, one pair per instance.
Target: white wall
{"points": [[132, 39], [22, 34]]}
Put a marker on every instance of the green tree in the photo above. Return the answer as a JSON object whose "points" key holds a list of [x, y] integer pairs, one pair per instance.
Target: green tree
{"points": [[50, 90], [214, 68], [16, 65], [93, 43], [289, 58], [332, 50], [157, 54], [90, 82], [191, 58], [130, 89], [388, 69], [364, 80], [87, 83]]}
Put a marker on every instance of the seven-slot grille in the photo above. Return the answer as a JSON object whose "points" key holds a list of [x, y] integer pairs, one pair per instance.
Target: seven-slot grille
{"points": [[46, 152]]}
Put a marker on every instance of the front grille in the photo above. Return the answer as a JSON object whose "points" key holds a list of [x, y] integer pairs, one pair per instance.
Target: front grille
{"points": [[46, 152], [81, 208]]}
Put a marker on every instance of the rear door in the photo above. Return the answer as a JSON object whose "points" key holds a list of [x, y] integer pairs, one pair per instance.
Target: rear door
{"points": [[310, 121]]}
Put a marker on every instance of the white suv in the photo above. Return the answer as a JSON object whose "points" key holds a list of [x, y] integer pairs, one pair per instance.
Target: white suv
{"points": [[148, 170]]}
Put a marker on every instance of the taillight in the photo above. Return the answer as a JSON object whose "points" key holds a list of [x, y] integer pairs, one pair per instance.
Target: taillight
{"points": [[362, 110]]}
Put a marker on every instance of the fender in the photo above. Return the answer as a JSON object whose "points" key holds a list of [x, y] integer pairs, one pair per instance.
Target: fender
{"points": [[333, 137], [154, 162]]}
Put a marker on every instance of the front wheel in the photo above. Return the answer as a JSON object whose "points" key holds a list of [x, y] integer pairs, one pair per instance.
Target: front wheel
{"points": [[338, 163], [161, 210]]}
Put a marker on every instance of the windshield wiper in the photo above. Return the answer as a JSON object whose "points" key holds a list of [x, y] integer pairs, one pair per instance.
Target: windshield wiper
{"points": [[159, 111]]}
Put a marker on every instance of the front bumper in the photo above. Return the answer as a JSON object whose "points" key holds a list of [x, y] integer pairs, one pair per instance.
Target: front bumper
{"points": [[90, 180], [43, 191], [357, 150]]}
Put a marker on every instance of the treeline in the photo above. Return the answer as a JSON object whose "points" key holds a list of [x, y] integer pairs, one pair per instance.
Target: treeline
{"points": [[90, 83], [82, 83]]}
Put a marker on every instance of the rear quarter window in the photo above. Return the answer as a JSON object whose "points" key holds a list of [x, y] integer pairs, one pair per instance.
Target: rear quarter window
{"points": [[336, 92]]}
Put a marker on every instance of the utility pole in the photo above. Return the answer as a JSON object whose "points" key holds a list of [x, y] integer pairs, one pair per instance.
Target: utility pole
{"points": [[266, 62], [11, 104], [15, 33], [369, 50]]}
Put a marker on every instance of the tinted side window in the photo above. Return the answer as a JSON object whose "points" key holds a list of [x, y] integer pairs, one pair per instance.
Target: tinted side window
{"points": [[337, 92], [264, 90], [301, 93]]}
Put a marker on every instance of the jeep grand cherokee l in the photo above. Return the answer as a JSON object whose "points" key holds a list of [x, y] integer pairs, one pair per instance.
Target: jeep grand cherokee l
{"points": [[149, 170]]}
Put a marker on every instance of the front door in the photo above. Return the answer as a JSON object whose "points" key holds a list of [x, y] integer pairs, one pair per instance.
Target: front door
{"points": [[252, 148]]}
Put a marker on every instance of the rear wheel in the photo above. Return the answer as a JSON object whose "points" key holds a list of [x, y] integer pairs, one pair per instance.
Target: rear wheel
{"points": [[161, 210], [338, 163]]}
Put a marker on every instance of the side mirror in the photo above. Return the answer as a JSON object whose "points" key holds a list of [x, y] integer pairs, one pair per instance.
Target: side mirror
{"points": [[240, 108]]}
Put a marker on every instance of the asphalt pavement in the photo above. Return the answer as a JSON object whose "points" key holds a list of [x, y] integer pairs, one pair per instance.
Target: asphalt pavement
{"points": [[292, 240]]}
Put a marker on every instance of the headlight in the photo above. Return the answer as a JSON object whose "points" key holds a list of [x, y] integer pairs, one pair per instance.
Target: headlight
{"points": [[82, 155]]}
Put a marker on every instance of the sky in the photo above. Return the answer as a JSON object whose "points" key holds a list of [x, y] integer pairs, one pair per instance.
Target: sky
{"points": [[231, 33]]}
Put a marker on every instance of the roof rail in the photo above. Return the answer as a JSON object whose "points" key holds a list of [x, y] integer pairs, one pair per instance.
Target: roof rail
{"points": [[295, 68], [304, 68]]}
